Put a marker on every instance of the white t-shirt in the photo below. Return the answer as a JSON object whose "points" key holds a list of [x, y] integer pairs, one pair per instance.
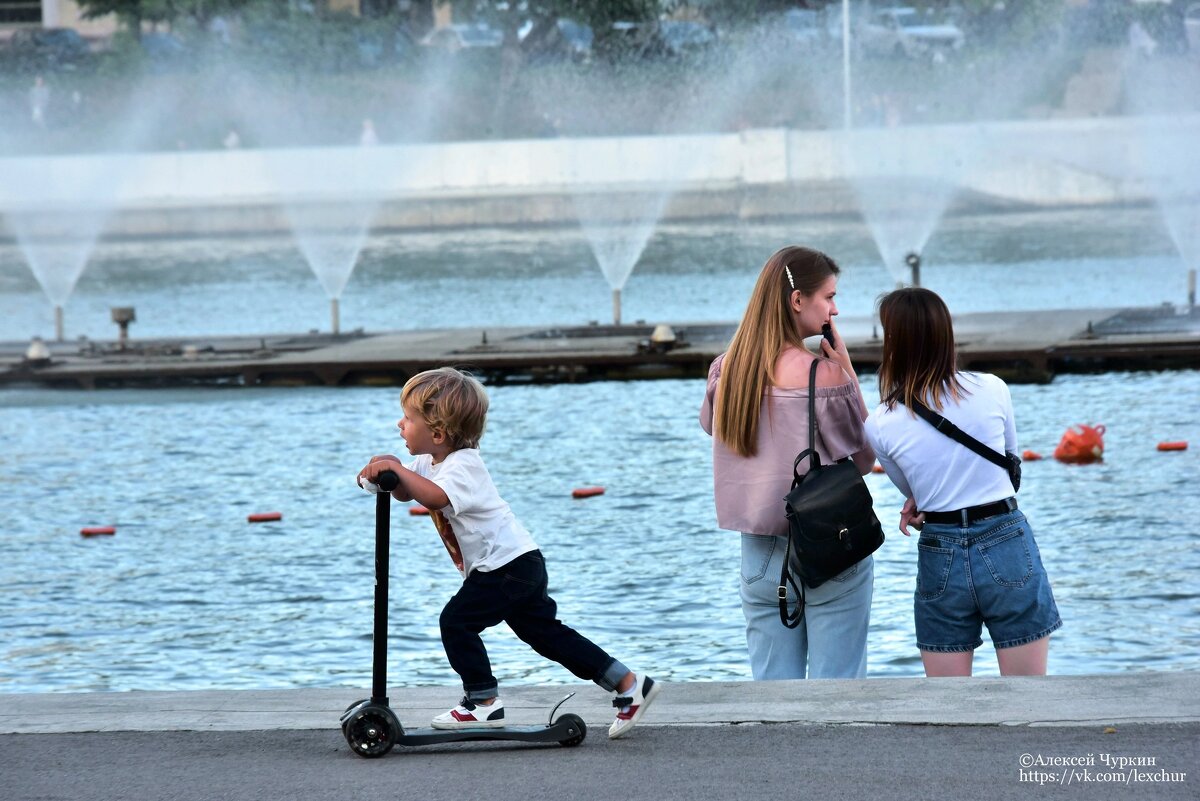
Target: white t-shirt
{"points": [[937, 472], [488, 533]]}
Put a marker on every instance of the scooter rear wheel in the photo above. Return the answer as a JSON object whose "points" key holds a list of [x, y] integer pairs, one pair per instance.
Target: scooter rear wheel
{"points": [[577, 726], [372, 731]]}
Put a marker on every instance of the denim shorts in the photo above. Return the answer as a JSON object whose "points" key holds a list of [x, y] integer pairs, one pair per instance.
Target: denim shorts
{"points": [[988, 573]]}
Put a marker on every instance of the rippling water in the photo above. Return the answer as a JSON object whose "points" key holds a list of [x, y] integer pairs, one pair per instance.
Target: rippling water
{"points": [[189, 595]]}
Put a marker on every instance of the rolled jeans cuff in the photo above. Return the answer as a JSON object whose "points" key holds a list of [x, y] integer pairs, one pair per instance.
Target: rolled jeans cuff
{"points": [[610, 677], [481, 693]]}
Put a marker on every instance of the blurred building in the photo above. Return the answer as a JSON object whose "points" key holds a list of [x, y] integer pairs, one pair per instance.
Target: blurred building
{"points": [[16, 14]]}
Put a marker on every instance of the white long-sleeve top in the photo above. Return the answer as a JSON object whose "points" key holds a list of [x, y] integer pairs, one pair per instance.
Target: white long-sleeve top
{"points": [[938, 473]]}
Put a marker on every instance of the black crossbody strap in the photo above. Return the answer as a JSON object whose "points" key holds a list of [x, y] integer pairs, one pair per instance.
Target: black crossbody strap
{"points": [[957, 434]]}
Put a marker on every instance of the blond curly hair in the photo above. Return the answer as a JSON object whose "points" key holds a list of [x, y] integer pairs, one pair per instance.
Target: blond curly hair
{"points": [[450, 401]]}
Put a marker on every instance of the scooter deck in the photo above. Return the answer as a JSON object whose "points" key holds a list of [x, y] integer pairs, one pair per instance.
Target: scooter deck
{"points": [[556, 732]]}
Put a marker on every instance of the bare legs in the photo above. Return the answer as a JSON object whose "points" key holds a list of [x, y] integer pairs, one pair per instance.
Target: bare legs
{"points": [[1020, 660], [938, 664], [1024, 660]]}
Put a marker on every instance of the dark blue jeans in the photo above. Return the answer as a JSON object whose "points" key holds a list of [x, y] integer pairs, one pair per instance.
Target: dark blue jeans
{"points": [[516, 594]]}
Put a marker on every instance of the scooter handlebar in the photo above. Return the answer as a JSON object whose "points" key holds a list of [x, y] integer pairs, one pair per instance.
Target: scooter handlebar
{"points": [[384, 482]]}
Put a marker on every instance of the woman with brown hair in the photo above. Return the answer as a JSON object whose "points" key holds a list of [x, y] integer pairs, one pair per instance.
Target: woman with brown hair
{"points": [[977, 561], [756, 408]]}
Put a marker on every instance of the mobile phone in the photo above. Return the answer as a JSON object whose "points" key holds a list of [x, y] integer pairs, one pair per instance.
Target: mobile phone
{"points": [[827, 332]]}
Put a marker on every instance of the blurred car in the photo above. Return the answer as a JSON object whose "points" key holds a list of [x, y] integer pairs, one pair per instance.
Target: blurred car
{"points": [[377, 47], [164, 51], [561, 40], [905, 31], [679, 37], [1191, 27], [631, 39], [453, 38], [342, 43], [576, 36], [669, 38], [802, 25], [47, 49]]}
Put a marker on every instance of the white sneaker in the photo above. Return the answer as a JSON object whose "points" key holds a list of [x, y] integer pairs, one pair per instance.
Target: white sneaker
{"points": [[470, 715], [631, 705]]}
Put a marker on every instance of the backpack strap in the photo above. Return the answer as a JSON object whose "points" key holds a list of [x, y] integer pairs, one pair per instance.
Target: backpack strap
{"points": [[814, 459], [812, 414], [790, 621]]}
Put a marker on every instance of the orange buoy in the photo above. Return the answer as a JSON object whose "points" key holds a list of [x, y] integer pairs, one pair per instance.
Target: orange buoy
{"points": [[417, 510], [1030, 456], [1081, 444], [97, 531], [264, 517], [1172, 446], [878, 468], [586, 492]]}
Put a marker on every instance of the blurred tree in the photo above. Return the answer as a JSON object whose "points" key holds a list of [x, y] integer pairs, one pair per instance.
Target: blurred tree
{"points": [[132, 13]]}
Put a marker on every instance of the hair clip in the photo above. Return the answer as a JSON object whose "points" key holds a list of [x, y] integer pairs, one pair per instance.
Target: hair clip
{"points": [[789, 275]]}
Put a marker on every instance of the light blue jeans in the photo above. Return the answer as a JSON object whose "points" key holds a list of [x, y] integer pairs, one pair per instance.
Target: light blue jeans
{"points": [[831, 640]]}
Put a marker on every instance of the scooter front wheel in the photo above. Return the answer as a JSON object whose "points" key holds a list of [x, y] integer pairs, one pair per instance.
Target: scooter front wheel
{"points": [[372, 730]]}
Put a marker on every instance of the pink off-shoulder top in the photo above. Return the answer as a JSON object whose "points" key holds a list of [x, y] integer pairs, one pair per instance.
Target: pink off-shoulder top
{"points": [[749, 492]]}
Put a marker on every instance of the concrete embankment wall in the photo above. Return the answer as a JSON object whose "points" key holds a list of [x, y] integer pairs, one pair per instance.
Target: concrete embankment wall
{"points": [[750, 174]]}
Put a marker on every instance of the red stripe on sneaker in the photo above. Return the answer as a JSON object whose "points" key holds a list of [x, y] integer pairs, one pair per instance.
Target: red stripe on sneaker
{"points": [[461, 718], [627, 715]]}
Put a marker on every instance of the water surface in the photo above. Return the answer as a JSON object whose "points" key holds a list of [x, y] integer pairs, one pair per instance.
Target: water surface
{"points": [[188, 595]]}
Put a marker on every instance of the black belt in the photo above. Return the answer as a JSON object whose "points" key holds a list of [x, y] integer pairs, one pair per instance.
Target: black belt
{"points": [[971, 514]]}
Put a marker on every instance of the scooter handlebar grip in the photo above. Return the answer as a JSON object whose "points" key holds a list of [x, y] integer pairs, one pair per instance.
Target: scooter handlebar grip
{"points": [[387, 480]]}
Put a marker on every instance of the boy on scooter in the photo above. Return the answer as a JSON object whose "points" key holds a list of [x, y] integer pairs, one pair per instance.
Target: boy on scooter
{"points": [[504, 574]]}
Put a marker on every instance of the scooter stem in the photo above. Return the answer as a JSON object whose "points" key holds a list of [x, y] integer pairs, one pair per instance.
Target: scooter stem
{"points": [[387, 481]]}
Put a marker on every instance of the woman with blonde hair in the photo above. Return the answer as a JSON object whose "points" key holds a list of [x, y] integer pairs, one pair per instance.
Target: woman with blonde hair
{"points": [[756, 408]]}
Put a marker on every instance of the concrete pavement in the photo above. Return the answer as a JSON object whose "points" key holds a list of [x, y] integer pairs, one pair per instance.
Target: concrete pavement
{"points": [[783, 762], [1053, 700], [1127, 736]]}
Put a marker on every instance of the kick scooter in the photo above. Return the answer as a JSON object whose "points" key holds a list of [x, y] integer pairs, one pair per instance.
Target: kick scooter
{"points": [[370, 726]]}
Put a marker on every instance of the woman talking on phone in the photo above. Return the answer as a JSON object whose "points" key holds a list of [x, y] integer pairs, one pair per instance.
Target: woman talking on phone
{"points": [[756, 408], [977, 561]]}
